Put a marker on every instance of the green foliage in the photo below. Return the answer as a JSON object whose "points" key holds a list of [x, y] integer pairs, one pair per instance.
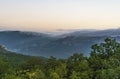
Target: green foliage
{"points": [[4, 66], [74, 75], [54, 75], [103, 63], [11, 76]]}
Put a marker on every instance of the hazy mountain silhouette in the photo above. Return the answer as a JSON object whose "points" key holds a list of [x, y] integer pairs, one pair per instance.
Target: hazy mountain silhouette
{"points": [[41, 44]]}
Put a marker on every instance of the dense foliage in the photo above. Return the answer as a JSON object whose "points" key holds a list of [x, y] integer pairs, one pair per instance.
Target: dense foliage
{"points": [[103, 63]]}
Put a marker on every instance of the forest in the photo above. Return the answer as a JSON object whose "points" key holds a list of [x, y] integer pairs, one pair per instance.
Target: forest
{"points": [[102, 63]]}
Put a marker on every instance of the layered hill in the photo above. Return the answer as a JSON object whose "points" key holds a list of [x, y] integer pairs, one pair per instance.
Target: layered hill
{"points": [[61, 46]]}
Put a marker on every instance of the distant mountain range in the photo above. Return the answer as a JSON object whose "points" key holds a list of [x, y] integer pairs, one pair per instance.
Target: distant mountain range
{"points": [[60, 46]]}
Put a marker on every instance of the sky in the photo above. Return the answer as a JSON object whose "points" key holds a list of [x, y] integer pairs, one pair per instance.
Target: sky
{"points": [[50, 15]]}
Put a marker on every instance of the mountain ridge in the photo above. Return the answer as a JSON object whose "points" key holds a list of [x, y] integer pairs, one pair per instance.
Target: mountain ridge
{"points": [[43, 44]]}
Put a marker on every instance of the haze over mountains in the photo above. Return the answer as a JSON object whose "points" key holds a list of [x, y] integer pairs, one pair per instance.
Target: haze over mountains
{"points": [[60, 46]]}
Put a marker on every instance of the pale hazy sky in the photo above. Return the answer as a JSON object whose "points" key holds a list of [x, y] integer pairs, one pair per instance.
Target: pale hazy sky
{"points": [[47, 15]]}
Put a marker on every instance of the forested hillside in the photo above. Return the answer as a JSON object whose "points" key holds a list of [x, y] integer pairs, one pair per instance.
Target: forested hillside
{"points": [[103, 63]]}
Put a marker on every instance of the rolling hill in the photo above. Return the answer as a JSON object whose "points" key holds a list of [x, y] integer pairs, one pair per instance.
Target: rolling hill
{"points": [[16, 59]]}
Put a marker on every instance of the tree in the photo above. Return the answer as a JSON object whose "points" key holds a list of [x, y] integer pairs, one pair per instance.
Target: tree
{"points": [[73, 63], [36, 74], [74, 75], [33, 63], [52, 63], [4, 66], [106, 49], [54, 75], [103, 59], [103, 52], [61, 70]]}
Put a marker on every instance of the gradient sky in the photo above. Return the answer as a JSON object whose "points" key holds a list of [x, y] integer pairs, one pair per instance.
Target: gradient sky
{"points": [[49, 15]]}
